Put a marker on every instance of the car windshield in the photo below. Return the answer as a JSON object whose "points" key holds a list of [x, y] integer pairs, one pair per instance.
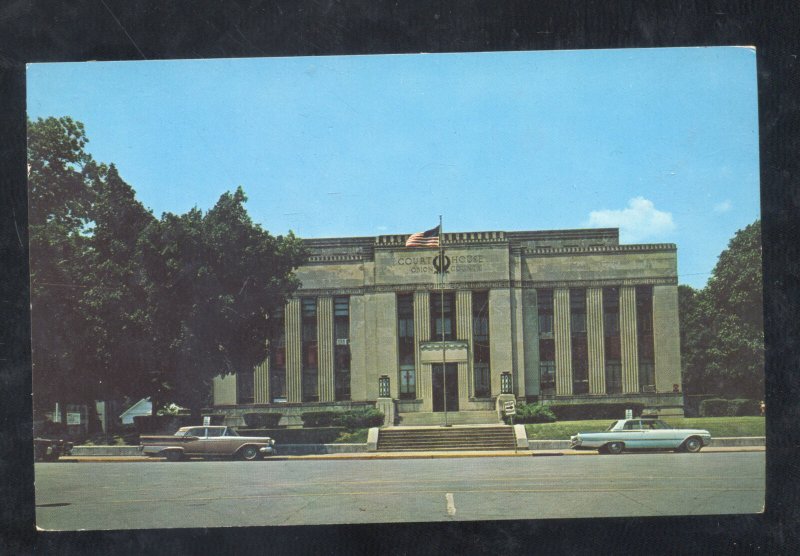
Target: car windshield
{"points": [[612, 425]]}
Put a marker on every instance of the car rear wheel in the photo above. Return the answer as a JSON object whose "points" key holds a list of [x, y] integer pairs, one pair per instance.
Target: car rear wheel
{"points": [[250, 453], [693, 444], [615, 447]]}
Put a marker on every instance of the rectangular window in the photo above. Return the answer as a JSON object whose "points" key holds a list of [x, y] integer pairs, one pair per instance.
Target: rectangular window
{"points": [[547, 367], [341, 330], [580, 350], [310, 349], [244, 387], [644, 337], [408, 382], [613, 376], [544, 300], [442, 309], [612, 340], [405, 345], [480, 344], [277, 357], [483, 384]]}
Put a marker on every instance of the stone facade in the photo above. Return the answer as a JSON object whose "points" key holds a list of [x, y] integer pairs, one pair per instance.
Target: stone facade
{"points": [[571, 315]]}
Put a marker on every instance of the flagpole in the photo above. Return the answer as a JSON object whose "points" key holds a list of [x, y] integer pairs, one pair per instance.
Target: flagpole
{"points": [[441, 314]]}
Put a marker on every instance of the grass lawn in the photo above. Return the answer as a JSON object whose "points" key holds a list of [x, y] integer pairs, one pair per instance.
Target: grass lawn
{"points": [[717, 426]]}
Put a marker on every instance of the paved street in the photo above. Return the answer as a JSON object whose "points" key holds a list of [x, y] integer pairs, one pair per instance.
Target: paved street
{"points": [[291, 492]]}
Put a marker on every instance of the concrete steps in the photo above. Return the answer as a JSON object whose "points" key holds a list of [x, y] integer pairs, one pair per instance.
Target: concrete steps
{"points": [[453, 418], [424, 439]]}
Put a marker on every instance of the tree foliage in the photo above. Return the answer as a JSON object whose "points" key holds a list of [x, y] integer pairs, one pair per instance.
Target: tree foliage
{"points": [[128, 305], [60, 196], [722, 325], [212, 280]]}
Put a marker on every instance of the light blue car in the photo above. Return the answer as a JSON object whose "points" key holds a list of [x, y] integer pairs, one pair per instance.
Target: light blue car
{"points": [[641, 434]]}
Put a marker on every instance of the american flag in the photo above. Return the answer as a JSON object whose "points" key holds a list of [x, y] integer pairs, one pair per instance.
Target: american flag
{"points": [[424, 239]]}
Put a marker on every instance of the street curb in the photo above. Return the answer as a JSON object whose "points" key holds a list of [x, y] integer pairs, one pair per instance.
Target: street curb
{"points": [[400, 455]]}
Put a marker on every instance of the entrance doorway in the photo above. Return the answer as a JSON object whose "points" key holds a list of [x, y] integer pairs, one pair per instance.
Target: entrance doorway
{"points": [[445, 383]]}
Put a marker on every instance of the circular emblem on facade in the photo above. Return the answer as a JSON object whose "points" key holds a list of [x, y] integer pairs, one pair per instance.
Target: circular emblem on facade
{"points": [[437, 266]]}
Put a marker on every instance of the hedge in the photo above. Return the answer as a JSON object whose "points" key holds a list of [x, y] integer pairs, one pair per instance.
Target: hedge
{"points": [[360, 419], [532, 413], [718, 407], [318, 418], [351, 420], [262, 420], [587, 411]]}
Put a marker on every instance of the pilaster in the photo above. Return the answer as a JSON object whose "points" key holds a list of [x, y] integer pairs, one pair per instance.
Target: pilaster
{"points": [[422, 333], [464, 329], [325, 347], [595, 340], [294, 347], [628, 340], [261, 382], [563, 341], [666, 339]]}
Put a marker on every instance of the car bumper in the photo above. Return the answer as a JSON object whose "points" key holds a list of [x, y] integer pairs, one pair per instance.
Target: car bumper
{"points": [[267, 450]]}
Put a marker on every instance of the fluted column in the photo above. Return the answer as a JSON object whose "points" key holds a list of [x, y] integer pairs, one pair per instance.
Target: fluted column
{"points": [[628, 343], [464, 329], [261, 382], [422, 333], [563, 342], [294, 347], [595, 340], [325, 347]]}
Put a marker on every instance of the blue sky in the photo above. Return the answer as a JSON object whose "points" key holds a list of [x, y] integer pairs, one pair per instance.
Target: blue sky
{"points": [[662, 143]]}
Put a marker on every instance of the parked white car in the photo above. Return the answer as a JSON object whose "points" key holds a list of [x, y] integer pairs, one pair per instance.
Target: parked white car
{"points": [[641, 434]]}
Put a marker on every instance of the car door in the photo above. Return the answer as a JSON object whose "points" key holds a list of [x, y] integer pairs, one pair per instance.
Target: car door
{"points": [[216, 443], [662, 435], [193, 444], [633, 434]]}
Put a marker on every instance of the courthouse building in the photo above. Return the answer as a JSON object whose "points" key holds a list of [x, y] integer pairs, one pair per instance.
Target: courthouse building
{"points": [[563, 316]]}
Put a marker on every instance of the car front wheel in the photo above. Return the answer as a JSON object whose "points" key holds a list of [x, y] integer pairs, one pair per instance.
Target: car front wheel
{"points": [[615, 447], [693, 444], [250, 453]]}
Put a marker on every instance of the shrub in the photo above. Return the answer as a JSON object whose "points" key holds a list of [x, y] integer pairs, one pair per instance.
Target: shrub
{"points": [[262, 420], [743, 407], [532, 413], [586, 411], [714, 407], [360, 419], [319, 418]]}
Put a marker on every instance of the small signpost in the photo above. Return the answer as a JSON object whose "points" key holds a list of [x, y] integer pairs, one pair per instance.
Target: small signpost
{"points": [[629, 414], [510, 408], [207, 421], [73, 418]]}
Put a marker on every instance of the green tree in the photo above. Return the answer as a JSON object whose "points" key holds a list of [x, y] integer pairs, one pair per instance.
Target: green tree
{"points": [[114, 302], [59, 201], [722, 326], [212, 281]]}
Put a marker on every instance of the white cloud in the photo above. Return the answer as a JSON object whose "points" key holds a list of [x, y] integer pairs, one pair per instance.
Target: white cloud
{"points": [[639, 221], [724, 206]]}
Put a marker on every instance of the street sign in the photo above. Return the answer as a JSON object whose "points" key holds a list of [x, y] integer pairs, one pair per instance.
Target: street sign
{"points": [[629, 414], [207, 421], [73, 418], [510, 408]]}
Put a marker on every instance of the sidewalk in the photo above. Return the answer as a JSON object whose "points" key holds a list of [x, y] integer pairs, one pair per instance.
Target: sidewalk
{"points": [[409, 455]]}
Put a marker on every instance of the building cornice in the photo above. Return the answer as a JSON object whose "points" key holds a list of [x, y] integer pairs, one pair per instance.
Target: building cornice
{"points": [[491, 285], [599, 249]]}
